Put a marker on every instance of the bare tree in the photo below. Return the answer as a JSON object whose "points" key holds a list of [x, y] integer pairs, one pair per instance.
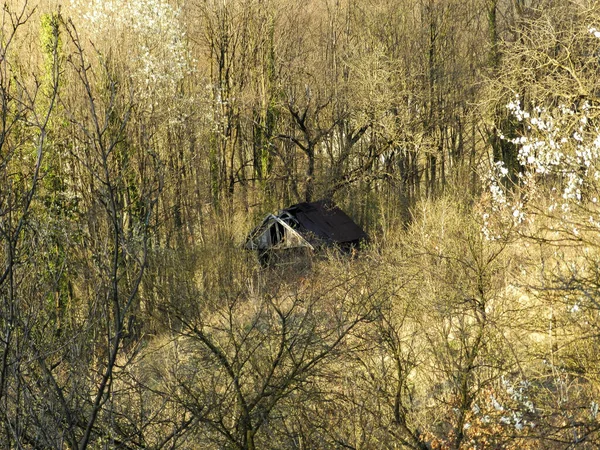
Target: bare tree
{"points": [[25, 115], [245, 359]]}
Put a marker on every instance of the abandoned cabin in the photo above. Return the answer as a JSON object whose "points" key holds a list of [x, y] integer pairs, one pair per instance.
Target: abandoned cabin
{"points": [[304, 227]]}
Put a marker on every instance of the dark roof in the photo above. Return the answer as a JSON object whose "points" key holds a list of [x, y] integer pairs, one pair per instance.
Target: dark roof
{"points": [[327, 221]]}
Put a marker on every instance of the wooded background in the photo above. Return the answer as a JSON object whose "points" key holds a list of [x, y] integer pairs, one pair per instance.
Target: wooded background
{"points": [[141, 141]]}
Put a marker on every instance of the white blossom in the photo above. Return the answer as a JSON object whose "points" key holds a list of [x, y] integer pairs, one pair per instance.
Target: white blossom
{"points": [[155, 40], [497, 406], [594, 31], [563, 144]]}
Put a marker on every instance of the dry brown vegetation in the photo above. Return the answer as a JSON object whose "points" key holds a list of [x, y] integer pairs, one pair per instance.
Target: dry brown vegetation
{"points": [[141, 141]]}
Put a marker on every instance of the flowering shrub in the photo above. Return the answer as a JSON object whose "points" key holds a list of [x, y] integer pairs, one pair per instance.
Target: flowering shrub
{"points": [[554, 204], [560, 168], [153, 38]]}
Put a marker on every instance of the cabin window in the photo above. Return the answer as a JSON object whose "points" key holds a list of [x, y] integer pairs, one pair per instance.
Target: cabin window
{"points": [[277, 233]]}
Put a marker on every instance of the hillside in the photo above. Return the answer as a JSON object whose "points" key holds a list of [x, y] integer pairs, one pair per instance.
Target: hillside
{"points": [[141, 141]]}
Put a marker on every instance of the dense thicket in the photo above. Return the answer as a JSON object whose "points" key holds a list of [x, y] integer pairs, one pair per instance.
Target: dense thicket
{"points": [[141, 140]]}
